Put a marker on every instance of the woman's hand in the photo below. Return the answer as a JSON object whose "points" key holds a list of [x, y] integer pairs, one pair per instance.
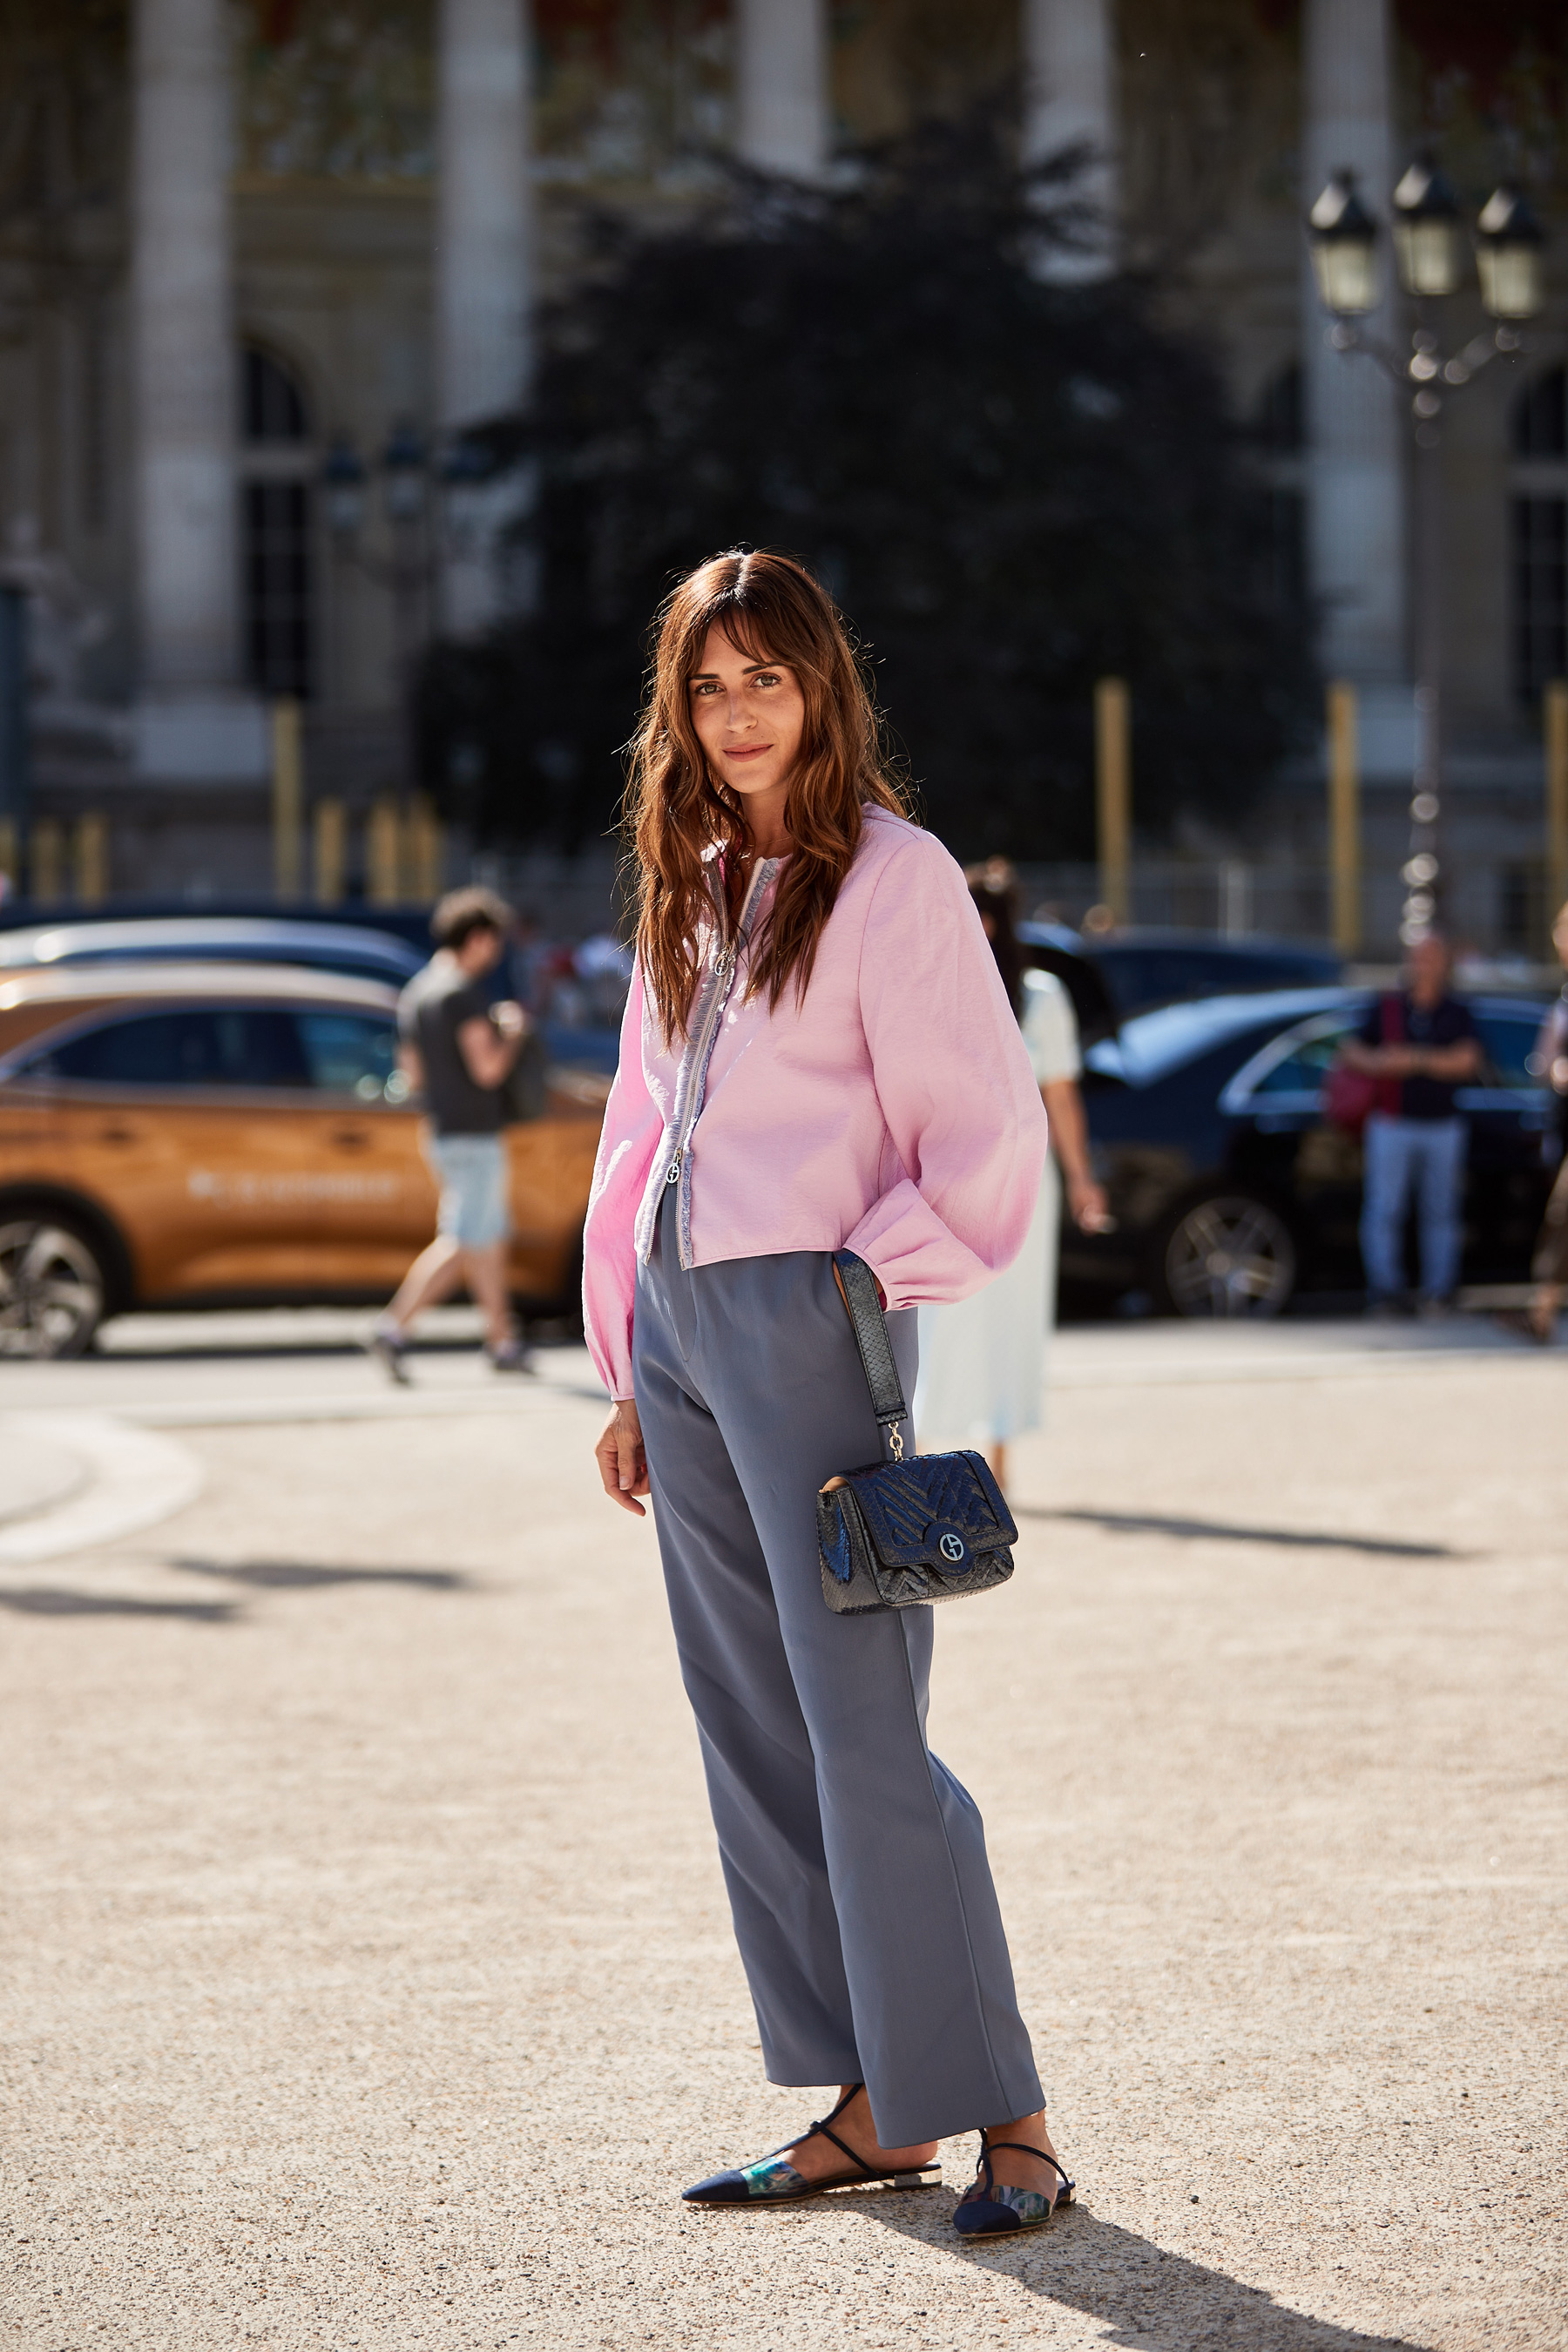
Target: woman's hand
{"points": [[623, 1465], [1087, 1206]]}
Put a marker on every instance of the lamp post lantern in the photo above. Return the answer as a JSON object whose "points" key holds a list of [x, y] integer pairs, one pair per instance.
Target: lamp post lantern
{"points": [[1509, 242], [1429, 248], [1344, 237], [1429, 234], [343, 487]]}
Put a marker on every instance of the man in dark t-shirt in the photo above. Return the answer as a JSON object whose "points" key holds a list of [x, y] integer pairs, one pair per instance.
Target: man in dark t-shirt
{"points": [[1424, 1041], [1549, 1269], [457, 1050]]}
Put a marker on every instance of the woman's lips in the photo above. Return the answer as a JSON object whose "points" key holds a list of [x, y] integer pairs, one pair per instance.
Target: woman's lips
{"points": [[746, 751]]}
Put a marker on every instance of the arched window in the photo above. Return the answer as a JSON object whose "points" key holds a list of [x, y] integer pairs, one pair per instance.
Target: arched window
{"points": [[1539, 533], [1541, 416], [276, 468], [272, 407]]}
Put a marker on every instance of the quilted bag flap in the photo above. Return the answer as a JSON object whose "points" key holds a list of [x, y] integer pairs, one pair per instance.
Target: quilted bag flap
{"points": [[935, 1510]]}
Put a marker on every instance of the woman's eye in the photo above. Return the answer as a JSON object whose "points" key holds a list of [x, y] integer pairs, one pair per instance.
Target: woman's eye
{"points": [[704, 686], [766, 677]]}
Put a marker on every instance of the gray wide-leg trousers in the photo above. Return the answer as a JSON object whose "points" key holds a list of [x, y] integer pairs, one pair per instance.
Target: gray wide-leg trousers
{"points": [[855, 1863]]}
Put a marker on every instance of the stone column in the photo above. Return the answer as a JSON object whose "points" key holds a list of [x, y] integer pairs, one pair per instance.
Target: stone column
{"points": [[1355, 481], [192, 722], [484, 278], [781, 86], [1069, 101]]}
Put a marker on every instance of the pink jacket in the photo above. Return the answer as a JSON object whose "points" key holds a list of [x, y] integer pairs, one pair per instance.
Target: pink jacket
{"points": [[894, 1113]]}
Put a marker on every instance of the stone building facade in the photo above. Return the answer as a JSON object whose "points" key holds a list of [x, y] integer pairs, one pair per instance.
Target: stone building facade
{"points": [[260, 261]]}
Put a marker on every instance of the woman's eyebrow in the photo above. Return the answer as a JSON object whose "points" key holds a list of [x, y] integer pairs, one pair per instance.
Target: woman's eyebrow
{"points": [[750, 667]]}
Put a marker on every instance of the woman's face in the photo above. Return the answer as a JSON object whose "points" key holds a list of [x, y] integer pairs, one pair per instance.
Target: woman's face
{"points": [[749, 715]]}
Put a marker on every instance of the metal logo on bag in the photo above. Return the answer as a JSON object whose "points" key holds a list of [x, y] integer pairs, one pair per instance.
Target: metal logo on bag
{"points": [[951, 1547]]}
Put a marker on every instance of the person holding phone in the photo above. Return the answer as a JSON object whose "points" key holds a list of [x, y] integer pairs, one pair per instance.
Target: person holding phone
{"points": [[457, 1050]]}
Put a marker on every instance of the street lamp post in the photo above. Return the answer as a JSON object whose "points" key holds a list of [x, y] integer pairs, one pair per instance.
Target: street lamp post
{"points": [[406, 564], [1429, 245]]}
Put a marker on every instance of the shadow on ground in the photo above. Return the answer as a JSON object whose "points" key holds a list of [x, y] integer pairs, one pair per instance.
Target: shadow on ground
{"points": [[1140, 2295], [256, 1575], [298, 1575], [53, 1601], [1133, 1522]]}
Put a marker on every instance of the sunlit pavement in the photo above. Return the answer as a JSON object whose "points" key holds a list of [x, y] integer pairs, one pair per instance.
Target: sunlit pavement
{"points": [[370, 1979]]}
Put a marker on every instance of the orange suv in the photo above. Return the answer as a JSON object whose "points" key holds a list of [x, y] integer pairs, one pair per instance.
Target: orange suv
{"points": [[182, 1134]]}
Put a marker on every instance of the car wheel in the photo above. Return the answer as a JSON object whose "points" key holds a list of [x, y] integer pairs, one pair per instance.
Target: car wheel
{"points": [[1231, 1255], [52, 1287]]}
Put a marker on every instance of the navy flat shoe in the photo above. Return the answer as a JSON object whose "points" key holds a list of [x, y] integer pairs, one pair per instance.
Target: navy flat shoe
{"points": [[994, 2209], [773, 2181]]}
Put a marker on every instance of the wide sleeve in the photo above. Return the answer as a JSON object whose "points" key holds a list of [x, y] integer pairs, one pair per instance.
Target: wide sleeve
{"points": [[626, 1147], [962, 1109]]}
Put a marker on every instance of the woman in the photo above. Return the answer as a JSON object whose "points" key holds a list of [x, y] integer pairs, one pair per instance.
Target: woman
{"points": [[816, 1055], [982, 1362]]}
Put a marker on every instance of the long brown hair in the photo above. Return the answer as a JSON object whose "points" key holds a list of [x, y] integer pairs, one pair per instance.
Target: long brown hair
{"points": [[994, 886], [773, 610]]}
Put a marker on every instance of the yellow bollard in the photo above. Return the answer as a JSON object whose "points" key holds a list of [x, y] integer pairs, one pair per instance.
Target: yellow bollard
{"points": [[1555, 713], [425, 852], [1113, 794], [382, 858], [331, 845], [45, 859], [1344, 817], [91, 848], [10, 857], [288, 800]]}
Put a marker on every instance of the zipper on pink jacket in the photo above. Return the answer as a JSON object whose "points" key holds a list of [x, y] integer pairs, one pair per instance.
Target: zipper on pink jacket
{"points": [[673, 1166]]}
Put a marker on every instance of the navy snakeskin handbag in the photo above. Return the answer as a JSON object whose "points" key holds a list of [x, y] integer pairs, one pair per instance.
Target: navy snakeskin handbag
{"points": [[898, 1533]]}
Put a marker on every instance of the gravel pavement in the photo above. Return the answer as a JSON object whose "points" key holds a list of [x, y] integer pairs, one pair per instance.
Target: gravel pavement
{"points": [[368, 1973]]}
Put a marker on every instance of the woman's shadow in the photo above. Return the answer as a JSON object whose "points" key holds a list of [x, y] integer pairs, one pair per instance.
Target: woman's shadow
{"points": [[1140, 2295]]}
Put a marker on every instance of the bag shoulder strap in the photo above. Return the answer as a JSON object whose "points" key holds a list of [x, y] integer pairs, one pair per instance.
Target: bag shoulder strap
{"points": [[858, 1289]]}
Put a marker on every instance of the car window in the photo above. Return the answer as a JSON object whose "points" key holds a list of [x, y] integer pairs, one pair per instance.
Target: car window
{"points": [[1153, 1044], [1303, 1071], [1509, 1040], [226, 1045], [354, 1054]]}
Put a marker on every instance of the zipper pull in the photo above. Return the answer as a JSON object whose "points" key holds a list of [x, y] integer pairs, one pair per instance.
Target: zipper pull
{"points": [[672, 1175], [725, 964]]}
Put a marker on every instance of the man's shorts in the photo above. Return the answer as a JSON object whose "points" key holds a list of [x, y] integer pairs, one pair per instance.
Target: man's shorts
{"points": [[471, 1170]]}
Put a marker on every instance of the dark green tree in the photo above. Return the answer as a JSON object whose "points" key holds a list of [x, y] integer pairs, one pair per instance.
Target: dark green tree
{"points": [[1012, 486]]}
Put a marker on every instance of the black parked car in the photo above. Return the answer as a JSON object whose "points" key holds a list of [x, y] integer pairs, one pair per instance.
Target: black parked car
{"points": [[1125, 973], [1231, 1191]]}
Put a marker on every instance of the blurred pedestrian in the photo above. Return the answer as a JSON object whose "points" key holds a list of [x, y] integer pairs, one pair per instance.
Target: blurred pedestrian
{"points": [[1423, 1043], [459, 1050], [1550, 1268], [817, 1055], [982, 1360]]}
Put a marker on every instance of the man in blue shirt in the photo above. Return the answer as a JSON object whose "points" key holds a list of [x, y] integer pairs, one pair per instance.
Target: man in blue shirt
{"points": [[1425, 1050]]}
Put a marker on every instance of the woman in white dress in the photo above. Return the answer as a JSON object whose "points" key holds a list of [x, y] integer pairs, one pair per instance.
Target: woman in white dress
{"points": [[982, 1362]]}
